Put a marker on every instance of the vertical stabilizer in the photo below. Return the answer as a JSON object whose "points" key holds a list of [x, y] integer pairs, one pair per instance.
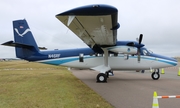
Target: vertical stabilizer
{"points": [[24, 41]]}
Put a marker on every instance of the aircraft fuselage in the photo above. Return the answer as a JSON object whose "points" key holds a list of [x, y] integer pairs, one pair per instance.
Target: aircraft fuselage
{"points": [[86, 58]]}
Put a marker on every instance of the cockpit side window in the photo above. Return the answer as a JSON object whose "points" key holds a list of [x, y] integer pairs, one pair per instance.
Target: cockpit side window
{"points": [[145, 52], [150, 51]]}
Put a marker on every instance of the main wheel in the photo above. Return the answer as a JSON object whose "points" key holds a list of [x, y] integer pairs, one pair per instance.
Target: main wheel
{"points": [[101, 77], [155, 75]]}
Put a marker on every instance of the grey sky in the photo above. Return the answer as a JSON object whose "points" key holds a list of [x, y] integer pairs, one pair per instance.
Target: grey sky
{"points": [[159, 21]]}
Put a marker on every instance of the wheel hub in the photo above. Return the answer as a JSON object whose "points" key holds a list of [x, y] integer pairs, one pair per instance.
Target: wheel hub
{"points": [[155, 75], [101, 78]]}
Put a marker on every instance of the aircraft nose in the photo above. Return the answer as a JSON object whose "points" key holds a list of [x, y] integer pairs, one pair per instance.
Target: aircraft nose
{"points": [[171, 60], [174, 60], [168, 60]]}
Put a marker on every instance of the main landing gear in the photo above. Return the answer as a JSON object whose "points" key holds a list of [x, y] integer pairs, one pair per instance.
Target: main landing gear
{"points": [[102, 77], [155, 75]]}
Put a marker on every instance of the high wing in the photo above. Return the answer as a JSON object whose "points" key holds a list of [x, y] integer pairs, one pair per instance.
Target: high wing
{"points": [[96, 25]]}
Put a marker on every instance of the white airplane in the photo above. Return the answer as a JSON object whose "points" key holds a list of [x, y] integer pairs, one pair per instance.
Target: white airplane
{"points": [[97, 26]]}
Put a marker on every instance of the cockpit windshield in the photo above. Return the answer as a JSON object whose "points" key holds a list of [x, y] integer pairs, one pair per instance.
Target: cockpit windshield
{"points": [[146, 51]]}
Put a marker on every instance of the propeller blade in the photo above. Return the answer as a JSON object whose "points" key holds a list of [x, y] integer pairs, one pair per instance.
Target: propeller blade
{"points": [[140, 38], [139, 55]]}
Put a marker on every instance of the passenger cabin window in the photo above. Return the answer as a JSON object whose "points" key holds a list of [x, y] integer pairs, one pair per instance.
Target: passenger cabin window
{"points": [[115, 54], [97, 55], [101, 55]]}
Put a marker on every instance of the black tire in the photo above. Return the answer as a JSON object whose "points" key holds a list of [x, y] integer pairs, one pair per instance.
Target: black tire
{"points": [[107, 74], [101, 77], [155, 75]]}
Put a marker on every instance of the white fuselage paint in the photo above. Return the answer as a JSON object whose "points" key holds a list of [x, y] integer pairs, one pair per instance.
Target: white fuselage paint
{"points": [[116, 63]]}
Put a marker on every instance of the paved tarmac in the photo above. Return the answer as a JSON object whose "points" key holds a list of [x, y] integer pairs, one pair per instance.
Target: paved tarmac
{"points": [[129, 89]]}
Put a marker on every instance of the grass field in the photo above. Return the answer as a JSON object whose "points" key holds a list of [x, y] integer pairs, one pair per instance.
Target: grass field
{"points": [[32, 85]]}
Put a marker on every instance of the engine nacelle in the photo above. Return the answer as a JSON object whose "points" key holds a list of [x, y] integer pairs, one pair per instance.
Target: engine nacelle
{"points": [[123, 49]]}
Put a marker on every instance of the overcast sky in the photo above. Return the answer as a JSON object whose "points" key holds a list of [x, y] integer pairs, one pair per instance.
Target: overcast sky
{"points": [[157, 20]]}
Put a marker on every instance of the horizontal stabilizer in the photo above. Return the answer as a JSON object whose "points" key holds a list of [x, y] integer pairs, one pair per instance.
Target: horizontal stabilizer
{"points": [[14, 44]]}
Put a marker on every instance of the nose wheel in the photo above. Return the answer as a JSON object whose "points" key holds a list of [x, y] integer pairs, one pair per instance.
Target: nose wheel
{"points": [[155, 75]]}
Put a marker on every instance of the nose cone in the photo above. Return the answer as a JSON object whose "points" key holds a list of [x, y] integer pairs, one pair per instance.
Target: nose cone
{"points": [[173, 61], [169, 60]]}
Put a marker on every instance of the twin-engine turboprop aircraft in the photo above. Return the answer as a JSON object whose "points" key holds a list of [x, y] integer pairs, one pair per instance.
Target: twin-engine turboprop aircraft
{"points": [[97, 26]]}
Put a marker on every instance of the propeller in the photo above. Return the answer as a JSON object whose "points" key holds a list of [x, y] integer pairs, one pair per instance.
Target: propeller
{"points": [[140, 38], [139, 45]]}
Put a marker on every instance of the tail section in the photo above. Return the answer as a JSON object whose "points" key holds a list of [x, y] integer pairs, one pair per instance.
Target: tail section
{"points": [[24, 42], [23, 35]]}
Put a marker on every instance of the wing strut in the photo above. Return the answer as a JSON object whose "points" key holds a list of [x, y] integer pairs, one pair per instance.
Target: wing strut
{"points": [[106, 57], [105, 67]]}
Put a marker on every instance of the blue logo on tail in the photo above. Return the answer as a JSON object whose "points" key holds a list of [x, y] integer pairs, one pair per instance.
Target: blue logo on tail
{"points": [[22, 34]]}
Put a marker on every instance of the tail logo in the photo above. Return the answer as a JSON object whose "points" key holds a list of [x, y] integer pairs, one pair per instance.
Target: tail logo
{"points": [[27, 30]]}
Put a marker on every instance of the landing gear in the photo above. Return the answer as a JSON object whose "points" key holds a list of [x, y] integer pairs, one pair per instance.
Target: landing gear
{"points": [[109, 73], [155, 75], [101, 77]]}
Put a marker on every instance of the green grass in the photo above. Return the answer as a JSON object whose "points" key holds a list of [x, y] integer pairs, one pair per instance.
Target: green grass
{"points": [[33, 85]]}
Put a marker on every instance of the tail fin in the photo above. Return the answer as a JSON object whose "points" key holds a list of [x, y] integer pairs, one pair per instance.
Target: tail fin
{"points": [[24, 44]]}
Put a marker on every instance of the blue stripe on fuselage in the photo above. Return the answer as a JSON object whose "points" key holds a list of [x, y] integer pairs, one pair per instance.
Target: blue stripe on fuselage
{"points": [[72, 55], [159, 58], [70, 59], [44, 55], [165, 59]]}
